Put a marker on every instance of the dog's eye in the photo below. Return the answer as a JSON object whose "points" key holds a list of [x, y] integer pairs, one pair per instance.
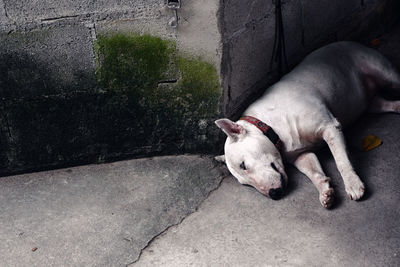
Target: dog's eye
{"points": [[242, 166], [274, 167]]}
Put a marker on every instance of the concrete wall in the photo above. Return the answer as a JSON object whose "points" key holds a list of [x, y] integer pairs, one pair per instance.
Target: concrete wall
{"points": [[247, 28], [61, 34], [54, 111]]}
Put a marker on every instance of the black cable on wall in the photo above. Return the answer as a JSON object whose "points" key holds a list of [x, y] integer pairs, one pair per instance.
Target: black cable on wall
{"points": [[279, 51]]}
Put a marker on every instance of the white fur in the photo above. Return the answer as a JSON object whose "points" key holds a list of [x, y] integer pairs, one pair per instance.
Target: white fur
{"points": [[307, 107]]}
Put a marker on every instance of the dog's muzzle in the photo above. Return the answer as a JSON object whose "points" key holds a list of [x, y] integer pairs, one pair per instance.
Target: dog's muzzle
{"points": [[277, 193]]}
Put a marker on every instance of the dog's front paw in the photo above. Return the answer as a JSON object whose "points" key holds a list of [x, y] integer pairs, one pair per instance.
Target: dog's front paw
{"points": [[326, 197], [355, 188]]}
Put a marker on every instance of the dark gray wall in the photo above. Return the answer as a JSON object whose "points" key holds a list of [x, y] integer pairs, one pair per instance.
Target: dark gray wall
{"points": [[247, 29]]}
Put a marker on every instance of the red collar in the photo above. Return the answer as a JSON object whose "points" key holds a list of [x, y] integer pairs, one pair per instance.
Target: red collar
{"points": [[266, 129]]}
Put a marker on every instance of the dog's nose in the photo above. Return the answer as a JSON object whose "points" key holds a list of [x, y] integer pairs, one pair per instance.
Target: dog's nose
{"points": [[275, 193]]}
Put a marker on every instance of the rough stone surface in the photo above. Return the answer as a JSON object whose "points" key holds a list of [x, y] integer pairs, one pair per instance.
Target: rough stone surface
{"points": [[56, 59], [3, 15], [37, 10], [98, 215]]}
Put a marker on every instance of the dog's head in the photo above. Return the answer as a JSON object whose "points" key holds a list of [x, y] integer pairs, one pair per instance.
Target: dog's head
{"points": [[252, 158]]}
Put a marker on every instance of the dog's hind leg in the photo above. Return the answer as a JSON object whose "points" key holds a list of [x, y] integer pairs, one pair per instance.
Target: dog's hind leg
{"points": [[374, 65], [381, 105], [333, 136], [308, 164], [380, 76], [388, 81]]}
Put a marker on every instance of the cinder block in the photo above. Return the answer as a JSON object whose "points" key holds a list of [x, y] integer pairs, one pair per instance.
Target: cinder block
{"points": [[3, 16], [248, 50], [6, 24], [237, 14], [35, 10], [46, 61]]}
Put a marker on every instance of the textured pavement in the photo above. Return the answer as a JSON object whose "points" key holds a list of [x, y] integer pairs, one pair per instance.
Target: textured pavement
{"points": [[98, 215]]}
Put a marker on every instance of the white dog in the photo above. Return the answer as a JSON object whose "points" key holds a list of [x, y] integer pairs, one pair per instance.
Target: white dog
{"points": [[328, 90]]}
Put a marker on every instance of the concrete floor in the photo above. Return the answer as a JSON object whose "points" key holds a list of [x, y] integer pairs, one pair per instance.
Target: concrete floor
{"points": [[167, 212], [98, 215]]}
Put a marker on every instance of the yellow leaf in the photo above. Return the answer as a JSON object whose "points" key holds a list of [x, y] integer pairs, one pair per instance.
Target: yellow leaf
{"points": [[370, 142]]}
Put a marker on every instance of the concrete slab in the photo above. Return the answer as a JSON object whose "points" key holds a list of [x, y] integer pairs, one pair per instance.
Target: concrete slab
{"points": [[98, 215]]}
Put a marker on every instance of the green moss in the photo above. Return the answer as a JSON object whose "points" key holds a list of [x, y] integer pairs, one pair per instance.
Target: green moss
{"points": [[172, 116], [199, 79], [132, 62], [136, 64]]}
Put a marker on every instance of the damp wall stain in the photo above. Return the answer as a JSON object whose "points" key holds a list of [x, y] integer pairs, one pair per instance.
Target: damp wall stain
{"points": [[147, 98]]}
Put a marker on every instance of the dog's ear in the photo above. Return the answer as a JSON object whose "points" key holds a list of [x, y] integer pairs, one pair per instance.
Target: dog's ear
{"points": [[220, 158], [231, 128]]}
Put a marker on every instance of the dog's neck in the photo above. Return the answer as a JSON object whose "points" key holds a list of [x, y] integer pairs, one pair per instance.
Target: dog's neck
{"points": [[265, 129]]}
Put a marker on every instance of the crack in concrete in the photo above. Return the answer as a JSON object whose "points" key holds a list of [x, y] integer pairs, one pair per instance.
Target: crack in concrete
{"points": [[91, 25], [59, 18], [10, 20], [223, 175], [5, 10]]}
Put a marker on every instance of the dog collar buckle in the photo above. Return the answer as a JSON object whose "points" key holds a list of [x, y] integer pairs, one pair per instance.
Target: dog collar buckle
{"points": [[266, 129]]}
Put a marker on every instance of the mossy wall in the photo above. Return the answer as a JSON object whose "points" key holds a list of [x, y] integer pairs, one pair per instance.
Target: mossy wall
{"points": [[148, 99], [173, 98]]}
